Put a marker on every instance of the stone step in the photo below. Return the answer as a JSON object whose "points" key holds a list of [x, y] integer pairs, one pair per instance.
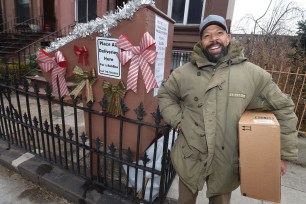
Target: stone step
{"points": [[39, 79], [42, 82], [19, 39]]}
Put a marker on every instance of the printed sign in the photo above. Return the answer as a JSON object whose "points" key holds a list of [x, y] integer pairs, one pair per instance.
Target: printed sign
{"points": [[263, 121], [161, 39], [108, 64]]}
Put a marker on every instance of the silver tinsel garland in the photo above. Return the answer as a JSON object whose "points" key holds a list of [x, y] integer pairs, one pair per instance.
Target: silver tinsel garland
{"points": [[100, 25]]}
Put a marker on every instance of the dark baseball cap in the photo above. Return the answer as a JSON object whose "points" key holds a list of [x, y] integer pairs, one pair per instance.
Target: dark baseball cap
{"points": [[213, 20]]}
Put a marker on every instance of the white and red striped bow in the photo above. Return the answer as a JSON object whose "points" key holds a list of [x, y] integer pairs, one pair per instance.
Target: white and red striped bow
{"points": [[140, 56], [58, 66]]}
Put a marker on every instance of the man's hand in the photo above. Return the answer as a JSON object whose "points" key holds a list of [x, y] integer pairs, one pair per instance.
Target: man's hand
{"points": [[283, 167]]}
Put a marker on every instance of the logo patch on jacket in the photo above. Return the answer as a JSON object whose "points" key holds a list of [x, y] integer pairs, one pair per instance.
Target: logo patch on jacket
{"points": [[237, 95]]}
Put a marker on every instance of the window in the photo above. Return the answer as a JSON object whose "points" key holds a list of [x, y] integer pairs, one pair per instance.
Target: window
{"points": [[85, 10], [22, 10], [1, 19], [186, 11], [121, 2]]}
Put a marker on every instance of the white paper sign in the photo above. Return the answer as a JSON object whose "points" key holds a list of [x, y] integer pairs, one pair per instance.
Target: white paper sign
{"points": [[263, 121], [108, 64], [161, 39]]}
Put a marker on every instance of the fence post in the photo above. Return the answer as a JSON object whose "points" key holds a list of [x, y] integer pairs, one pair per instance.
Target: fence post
{"points": [[6, 79], [164, 162]]}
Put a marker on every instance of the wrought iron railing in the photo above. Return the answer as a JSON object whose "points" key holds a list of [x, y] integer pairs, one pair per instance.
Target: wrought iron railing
{"points": [[7, 25], [21, 60], [30, 118], [179, 57], [293, 82], [34, 24]]}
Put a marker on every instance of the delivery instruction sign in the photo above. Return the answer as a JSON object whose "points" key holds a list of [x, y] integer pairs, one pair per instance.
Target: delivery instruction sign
{"points": [[107, 61]]}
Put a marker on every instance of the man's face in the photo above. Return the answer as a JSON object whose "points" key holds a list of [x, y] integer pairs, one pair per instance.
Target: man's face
{"points": [[214, 42]]}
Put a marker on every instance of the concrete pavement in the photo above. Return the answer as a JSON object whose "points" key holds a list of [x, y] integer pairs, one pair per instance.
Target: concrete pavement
{"points": [[293, 189], [52, 178], [15, 189]]}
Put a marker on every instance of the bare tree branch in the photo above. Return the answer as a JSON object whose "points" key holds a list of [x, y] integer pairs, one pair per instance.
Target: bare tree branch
{"points": [[256, 21], [278, 18]]}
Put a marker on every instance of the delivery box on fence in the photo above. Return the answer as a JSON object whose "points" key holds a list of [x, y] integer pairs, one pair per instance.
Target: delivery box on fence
{"points": [[260, 160], [107, 67]]}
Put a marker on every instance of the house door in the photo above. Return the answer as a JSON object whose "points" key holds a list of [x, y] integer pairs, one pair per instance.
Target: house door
{"points": [[1, 19], [22, 10], [49, 15], [86, 10]]}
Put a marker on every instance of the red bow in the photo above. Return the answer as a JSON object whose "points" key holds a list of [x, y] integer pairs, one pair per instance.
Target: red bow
{"points": [[140, 56], [82, 53], [58, 66]]}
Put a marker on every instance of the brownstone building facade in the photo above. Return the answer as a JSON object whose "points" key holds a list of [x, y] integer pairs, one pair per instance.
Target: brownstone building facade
{"points": [[58, 14]]}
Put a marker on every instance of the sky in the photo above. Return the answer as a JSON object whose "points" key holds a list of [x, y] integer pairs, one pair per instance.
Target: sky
{"points": [[257, 8]]}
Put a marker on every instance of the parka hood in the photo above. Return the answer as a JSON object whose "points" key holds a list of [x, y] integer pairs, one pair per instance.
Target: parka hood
{"points": [[235, 54]]}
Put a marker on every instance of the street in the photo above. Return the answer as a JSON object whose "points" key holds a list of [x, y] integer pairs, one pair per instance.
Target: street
{"points": [[15, 190]]}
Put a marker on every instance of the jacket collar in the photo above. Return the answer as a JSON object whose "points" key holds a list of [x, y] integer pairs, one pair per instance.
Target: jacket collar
{"points": [[234, 56]]}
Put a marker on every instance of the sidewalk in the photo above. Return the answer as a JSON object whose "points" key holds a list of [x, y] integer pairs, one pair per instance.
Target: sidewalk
{"points": [[76, 189], [14, 189], [54, 179], [293, 190]]}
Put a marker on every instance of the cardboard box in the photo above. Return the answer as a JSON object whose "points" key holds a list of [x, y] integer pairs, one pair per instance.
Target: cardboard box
{"points": [[260, 160]]}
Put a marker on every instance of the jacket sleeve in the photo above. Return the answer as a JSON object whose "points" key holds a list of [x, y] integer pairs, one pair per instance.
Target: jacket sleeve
{"points": [[169, 101], [271, 98]]}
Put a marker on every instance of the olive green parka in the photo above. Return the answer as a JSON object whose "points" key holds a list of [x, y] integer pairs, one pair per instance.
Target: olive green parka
{"points": [[207, 100]]}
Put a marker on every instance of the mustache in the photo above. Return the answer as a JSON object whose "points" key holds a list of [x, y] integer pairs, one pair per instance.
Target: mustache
{"points": [[215, 57], [213, 44]]}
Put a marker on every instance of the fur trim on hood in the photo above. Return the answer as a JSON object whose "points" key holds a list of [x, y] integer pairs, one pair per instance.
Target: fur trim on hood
{"points": [[235, 54]]}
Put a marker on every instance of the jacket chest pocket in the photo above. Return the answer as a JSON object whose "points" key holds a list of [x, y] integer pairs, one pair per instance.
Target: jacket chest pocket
{"points": [[238, 100]]}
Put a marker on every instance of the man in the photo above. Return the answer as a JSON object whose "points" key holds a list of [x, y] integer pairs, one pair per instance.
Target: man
{"points": [[205, 99]]}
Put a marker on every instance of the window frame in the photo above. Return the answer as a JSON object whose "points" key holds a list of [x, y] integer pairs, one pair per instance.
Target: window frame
{"points": [[186, 9], [76, 6]]}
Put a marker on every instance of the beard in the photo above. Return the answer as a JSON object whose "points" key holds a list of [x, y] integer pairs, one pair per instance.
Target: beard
{"points": [[215, 57]]}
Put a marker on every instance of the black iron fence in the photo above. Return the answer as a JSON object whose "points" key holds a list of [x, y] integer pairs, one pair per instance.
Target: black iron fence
{"points": [[179, 57], [55, 130]]}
